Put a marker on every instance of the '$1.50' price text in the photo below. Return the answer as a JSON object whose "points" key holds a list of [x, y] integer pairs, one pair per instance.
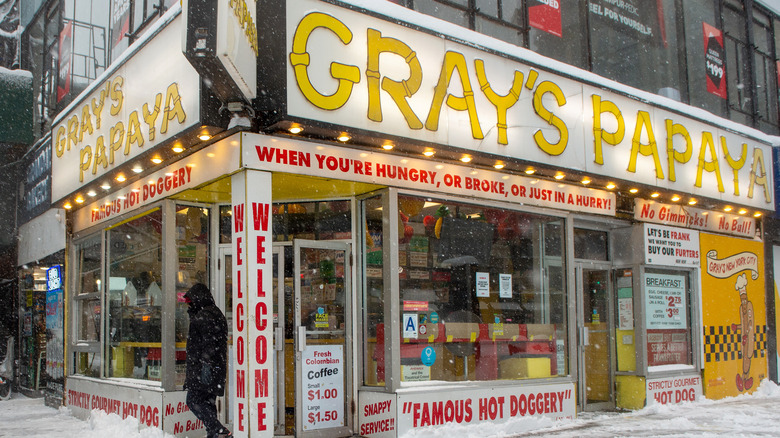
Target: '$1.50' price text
{"points": [[325, 416], [324, 394]]}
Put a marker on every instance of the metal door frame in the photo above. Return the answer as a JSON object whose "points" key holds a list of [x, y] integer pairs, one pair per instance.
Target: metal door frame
{"points": [[347, 429], [223, 403], [579, 268]]}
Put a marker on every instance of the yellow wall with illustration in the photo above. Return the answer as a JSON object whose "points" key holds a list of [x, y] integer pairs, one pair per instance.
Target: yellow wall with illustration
{"points": [[733, 314]]}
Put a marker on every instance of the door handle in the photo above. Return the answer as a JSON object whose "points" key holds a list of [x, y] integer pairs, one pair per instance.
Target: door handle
{"points": [[585, 336], [279, 339], [301, 338]]}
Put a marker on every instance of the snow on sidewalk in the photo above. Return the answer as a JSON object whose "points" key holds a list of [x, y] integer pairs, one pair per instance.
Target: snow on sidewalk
{"points": [[22, 417], [747, 415]]}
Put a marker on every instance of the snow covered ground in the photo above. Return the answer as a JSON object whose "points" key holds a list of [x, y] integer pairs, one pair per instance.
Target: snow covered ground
{"points": [[754, 415]]}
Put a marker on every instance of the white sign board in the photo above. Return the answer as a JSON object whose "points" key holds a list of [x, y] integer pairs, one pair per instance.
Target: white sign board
{"points": [[673, 390], [669, 246], [323, 387], [410, 325], [695, 218], [483, 284], [354, 70], [377, 415], [306, 158], [505, 285], [209, 163], [140, 104], [665, 301], [82, 396], [237, 45], [428, 409]]}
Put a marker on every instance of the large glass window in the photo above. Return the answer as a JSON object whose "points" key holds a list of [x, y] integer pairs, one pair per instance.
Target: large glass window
{"points": [[87, 307], [134, 298], [192, 244], [635, 43], [373, 293], [482, 292], [322, 220], [696, 14]]}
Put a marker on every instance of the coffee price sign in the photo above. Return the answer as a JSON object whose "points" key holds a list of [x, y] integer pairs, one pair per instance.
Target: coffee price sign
{"points": [[323, 391]]}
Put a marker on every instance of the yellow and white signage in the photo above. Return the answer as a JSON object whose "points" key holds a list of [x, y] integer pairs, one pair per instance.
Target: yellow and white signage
{"points": [[351, 69], [139, 105], [237, 45]]}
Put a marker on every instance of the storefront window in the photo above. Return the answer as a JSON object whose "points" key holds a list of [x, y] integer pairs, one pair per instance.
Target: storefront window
{"points": [[373, 298], [569, 46], [86, 352], [323, 220], [591, 244], [668, 317], [482, 292], [636, 44], [192, 243], [134, 299]]}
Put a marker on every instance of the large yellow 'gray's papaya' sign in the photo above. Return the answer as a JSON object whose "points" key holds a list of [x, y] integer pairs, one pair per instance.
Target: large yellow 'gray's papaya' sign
{"points": [[355, 70]]}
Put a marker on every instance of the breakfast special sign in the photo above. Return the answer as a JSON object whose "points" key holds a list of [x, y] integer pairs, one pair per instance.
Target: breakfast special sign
{"points": [[348, 69]]}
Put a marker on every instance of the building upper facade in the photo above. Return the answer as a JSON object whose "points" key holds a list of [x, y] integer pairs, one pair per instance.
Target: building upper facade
{"points": [[717, 55]]}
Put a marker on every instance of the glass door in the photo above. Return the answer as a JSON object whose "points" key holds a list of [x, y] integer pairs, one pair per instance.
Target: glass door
{"points": [[284, 348], [323, 338], [595, 330]]}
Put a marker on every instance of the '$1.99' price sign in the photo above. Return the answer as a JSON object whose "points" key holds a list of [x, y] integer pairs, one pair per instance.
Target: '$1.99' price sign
{"points": [[323, 376]]}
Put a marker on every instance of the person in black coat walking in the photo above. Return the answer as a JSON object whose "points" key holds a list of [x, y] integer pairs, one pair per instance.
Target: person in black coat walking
{"points": [[206, 358]]}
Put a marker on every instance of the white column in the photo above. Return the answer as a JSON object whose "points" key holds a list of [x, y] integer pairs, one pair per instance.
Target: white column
{"points": [[253, 413]]}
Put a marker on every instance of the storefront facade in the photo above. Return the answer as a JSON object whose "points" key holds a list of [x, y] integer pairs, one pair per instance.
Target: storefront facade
{"points": [[419, 233]]}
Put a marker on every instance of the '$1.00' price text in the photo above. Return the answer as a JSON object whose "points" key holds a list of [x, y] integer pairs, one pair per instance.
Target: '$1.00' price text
{"points": [[324, 394], [325, 416]]}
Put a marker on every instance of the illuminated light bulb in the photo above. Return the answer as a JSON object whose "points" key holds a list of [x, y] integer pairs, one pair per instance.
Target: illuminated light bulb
{"points": [[530, 171], [344, 137], [655, 195], [177, 148], [675, 198], [138, 169], [106, 186], [295, 129], [757, 214], [91, 193], [499, 165], [692, 202], [633, 190], [742, 211], [611, 185], [388, 146], [465, 159], [79, 200], [204, 137], [429, 153], [157, 160], [727, 208], [67, 206], [559, 176], [121, 178], [585, 181]]}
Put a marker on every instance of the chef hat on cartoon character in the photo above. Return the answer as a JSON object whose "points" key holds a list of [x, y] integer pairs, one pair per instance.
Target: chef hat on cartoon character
{"points": [[741, 284]]}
